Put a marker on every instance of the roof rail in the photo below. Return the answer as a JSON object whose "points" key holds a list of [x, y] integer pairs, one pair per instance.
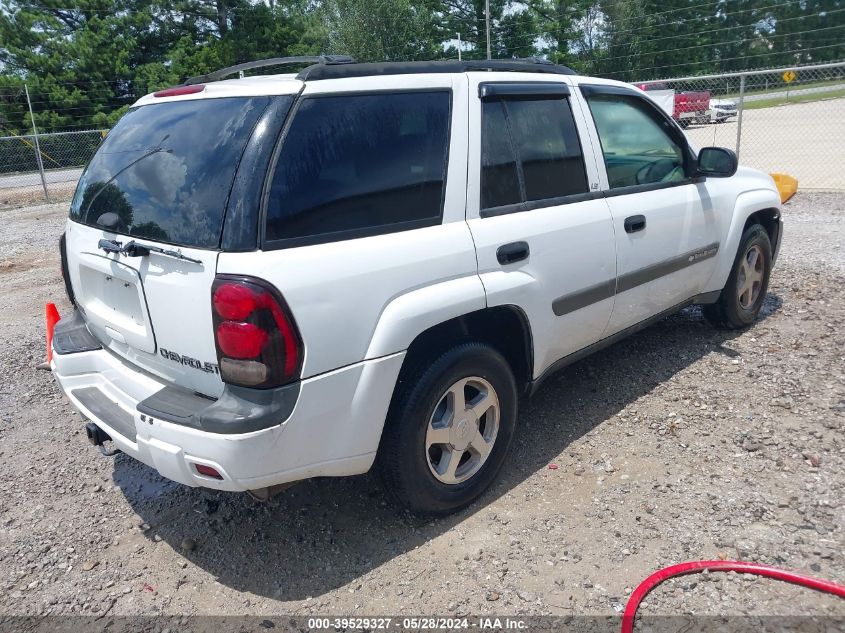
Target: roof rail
{"points": [[217, 75], [531, 65]]}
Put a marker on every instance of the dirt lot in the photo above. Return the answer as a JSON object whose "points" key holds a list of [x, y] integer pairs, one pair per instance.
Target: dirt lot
{"points": [[680, 443]]}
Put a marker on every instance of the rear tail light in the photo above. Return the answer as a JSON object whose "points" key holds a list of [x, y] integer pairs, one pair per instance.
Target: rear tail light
{"points": [[241, 340], [258, 343]]}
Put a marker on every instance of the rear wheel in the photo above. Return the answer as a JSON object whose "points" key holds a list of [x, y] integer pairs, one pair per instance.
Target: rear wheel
{"points": [[744, 293], [449, 429]]}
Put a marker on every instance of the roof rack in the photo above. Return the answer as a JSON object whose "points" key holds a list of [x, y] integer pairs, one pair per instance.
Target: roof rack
{"points": [[319, 60], [350, 69]]}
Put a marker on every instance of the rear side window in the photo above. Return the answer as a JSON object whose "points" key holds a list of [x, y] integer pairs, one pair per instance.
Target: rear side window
{"points": [[529, 152], [360, 165], [499, 173], [165, 171]]}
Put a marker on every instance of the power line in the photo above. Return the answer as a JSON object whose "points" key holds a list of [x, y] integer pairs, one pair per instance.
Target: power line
{"points": [[695, 33], [728, 59], [85, 81], [727, 43], [695, 19], [714, 3], [530, 37]]}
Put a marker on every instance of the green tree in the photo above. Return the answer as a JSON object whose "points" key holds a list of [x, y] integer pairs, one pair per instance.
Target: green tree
{"points": [[86, 62], [513, 28], [378, 30], [564, 28]]}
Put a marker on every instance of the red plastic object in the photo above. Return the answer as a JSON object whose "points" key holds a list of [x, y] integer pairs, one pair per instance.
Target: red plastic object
{"points": [[695, 567], [241, 340], [52, 314], [208, 471], [177, 91], [234, 301]]}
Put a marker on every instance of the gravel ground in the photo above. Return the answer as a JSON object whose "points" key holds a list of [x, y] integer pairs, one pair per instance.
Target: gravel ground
{"points": [[13, 197], [681, 443]]}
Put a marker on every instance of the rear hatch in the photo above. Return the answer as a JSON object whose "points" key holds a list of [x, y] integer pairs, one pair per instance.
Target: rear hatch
{"points": [[161, 179]]}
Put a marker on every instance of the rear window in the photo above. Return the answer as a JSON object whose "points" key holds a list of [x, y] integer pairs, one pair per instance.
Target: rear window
{"points": [[165, 171], [360, 165]]}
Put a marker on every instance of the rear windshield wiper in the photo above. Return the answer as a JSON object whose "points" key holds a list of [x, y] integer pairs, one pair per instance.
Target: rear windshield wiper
{"points": [[133, 249]]}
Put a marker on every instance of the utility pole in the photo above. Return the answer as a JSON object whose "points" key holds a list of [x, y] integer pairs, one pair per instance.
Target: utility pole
{"points": [[459, 47], [37, 145], [487, 20]]}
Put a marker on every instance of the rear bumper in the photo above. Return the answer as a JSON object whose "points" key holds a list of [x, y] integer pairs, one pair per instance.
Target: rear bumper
{"points": [[333, 428]]}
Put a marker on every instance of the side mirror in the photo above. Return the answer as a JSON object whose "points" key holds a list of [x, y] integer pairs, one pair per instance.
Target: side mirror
{"points": [[717, 162]]}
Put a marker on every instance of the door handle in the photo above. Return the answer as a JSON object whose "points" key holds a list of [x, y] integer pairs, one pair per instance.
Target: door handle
{"points": [[513, 252], [634, 223]]}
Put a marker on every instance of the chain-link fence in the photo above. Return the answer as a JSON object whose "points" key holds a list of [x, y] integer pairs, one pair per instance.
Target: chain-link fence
{"points": [[786, 120], [24, 178]]}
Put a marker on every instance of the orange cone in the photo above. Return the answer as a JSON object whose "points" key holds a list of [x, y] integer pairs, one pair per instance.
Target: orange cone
{"points": [[52, 318]]}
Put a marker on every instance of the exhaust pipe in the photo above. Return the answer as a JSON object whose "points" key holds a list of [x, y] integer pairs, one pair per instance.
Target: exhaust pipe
{"points": [[97, 437]]}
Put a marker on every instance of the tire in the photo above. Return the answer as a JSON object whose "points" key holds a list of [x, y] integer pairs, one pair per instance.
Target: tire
{"points": [[414, 463], [742, 297]]}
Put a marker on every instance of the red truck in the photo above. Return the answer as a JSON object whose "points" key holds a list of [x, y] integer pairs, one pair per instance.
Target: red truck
{"points": [[689, 106]]}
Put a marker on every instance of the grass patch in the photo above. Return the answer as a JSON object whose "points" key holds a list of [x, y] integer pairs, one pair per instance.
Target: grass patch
{"points": [[779, 86], [800, 98]]}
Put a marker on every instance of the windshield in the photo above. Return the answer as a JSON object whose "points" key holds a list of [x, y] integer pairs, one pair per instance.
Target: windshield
{"points": [[165, 171]]}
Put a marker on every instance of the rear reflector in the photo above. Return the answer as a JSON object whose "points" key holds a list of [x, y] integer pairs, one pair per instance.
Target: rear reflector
{"points": [[208, 471], [179, 90]]}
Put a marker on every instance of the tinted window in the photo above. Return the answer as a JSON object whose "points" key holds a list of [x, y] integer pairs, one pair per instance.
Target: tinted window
{"points": [[353, 163], [547, 144], [637, 143], [530, 151], [499, 180], [164, 172]]}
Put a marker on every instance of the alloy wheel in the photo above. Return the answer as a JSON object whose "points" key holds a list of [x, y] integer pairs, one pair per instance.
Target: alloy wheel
{"points": [[749, 281], [462, 430]]}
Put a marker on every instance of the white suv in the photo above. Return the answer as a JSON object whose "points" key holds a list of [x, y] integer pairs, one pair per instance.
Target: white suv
{"points": [[291, 276]]}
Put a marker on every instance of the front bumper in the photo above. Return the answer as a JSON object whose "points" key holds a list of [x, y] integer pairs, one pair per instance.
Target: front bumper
{"points": [[333, 428]]}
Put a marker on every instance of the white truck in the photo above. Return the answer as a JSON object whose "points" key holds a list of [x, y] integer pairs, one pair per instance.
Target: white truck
{"points": [[290, 276]]}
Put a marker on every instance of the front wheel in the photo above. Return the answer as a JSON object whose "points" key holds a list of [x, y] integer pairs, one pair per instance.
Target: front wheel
{"points": [[744, 293], [449, 429]]}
